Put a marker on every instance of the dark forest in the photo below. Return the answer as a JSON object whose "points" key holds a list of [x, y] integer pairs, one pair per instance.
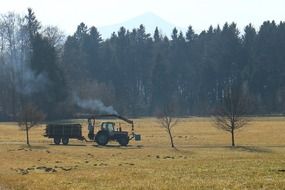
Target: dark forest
{"points": [[136, 73]]}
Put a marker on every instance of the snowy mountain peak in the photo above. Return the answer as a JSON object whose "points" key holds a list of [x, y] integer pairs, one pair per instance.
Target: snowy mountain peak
{"points": [[148, 19]]}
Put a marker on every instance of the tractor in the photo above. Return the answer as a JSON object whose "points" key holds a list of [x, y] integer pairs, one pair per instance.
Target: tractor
{"points": [[109, 131]]}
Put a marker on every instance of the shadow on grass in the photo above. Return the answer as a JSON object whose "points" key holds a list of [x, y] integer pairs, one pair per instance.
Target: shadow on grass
{"points": [[61, 145], [275, 146], [33, 147], [109, 146], [252, 149]]}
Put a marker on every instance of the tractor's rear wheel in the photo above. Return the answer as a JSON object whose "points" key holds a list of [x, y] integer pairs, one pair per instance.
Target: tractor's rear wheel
{"points": [[123, 141], [65, 140], [102, 138], [56, 140]]}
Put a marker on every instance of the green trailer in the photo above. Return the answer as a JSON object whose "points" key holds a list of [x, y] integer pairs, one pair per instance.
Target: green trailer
{"points": [[63, 132]]}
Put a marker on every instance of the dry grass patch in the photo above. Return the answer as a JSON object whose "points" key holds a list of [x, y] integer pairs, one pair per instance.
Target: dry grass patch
{"points": [[203, 159]]}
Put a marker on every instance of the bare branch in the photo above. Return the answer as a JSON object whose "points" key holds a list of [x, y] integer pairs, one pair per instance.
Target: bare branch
{"points": [[231, 114], [29, 117], [167, 121]]}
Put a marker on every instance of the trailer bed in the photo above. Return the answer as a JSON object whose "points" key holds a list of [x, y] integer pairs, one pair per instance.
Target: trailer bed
{"points": [[63, 132]]}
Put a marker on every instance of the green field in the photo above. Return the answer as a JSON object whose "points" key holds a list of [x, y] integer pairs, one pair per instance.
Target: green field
{"points": [[203, 159]]}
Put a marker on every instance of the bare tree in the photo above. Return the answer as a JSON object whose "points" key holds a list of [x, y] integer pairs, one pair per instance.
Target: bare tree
{"points": [[55, 36], [29, 117], [167, 120], [232, 112], [12, 60]]}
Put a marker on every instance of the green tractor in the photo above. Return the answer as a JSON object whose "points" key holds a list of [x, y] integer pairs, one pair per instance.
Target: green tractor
{"points": [[110, 132]]}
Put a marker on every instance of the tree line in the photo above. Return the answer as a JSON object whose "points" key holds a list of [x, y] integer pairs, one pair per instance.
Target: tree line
{"points": [[135, 72]]}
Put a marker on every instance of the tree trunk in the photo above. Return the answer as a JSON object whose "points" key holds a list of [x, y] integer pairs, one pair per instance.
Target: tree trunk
{"points": [[27, 135], [14, 102], [171, 138], [233, 138]]}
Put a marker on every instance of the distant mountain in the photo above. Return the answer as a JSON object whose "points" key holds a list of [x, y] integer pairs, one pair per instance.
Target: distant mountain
{"points": [[149, 20]]}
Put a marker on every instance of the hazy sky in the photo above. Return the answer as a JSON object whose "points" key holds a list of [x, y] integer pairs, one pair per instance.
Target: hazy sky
{"points": [[67, 14]]}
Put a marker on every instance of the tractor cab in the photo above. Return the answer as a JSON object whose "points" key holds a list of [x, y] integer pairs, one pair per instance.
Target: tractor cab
{"points": [[108, 126]]}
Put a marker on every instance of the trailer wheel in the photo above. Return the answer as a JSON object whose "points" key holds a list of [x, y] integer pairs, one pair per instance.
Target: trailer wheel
{"points": [[56, 140], [102, 138], [65, 140], [123, 140]]}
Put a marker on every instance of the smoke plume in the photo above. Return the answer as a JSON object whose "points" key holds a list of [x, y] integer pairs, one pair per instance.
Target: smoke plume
{"points": [[94, 105], [30, 82], [22, 77]]}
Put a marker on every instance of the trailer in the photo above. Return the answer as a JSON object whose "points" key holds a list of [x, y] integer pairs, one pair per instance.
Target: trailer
{"points": [[63, 132]]}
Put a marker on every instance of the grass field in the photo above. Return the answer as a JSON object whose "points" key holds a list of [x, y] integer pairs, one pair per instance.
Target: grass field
{"points": [[203, 159]]}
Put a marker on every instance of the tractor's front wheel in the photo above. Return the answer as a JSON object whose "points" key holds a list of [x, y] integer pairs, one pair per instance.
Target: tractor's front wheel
{"points": [[101, 138], [123, 141]]}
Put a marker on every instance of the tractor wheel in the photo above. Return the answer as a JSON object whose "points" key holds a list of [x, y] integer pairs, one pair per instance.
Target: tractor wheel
{"points": [[102, 138], [56, 140], [65, 140], [123, 141]]}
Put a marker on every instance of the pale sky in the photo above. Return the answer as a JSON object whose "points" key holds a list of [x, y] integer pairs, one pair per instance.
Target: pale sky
{"points": [[67, 14]]}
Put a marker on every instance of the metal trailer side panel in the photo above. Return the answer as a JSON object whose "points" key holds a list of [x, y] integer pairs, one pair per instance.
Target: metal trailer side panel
{"points": [[67, 130]]}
